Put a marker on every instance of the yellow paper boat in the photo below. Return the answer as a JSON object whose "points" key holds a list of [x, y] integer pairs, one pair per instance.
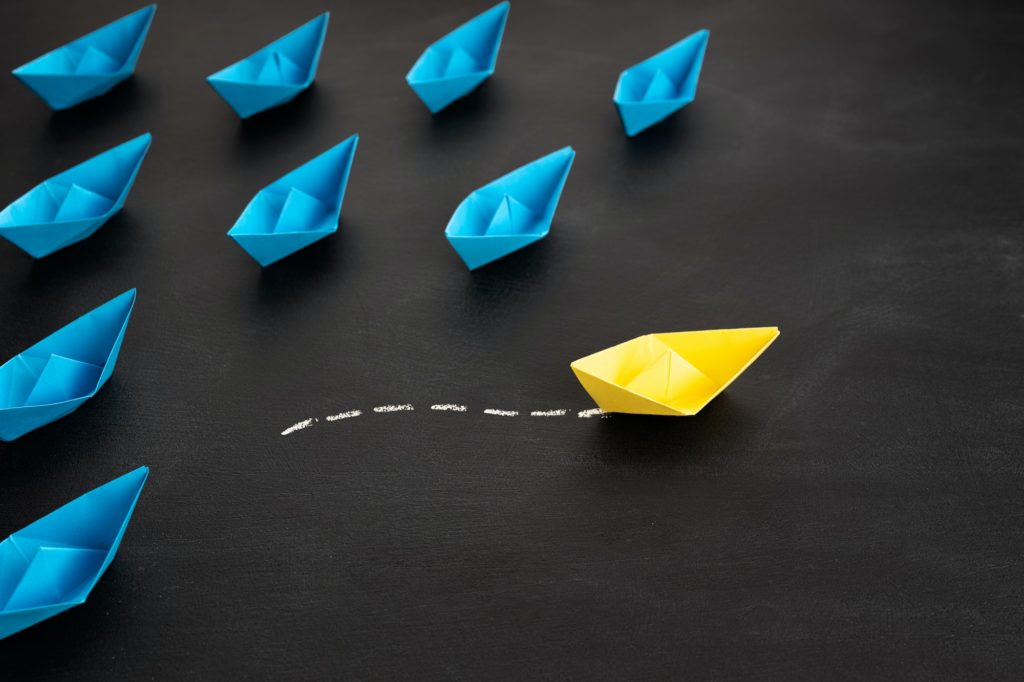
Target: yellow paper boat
{"points": [[670, 374]]}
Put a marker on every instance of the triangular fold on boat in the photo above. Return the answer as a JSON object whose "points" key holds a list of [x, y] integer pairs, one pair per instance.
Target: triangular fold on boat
{"points": [[300, 213], [81, 204], [660, 87], [460, 63], [721, 354], [54, 576], [96, 61], [63, 379], [511, 217], [612, 397]]}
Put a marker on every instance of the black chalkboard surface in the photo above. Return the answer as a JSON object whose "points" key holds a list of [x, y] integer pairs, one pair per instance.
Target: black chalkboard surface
{"points": [[850, 508]]}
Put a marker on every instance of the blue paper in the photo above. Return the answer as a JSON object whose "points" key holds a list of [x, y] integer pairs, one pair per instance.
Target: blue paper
{"points": [[511, 212], [71, 206], [297, 210], [661, 85], [91, 65], [460, 61], [274, 74], [52, 378], [52, 565]]}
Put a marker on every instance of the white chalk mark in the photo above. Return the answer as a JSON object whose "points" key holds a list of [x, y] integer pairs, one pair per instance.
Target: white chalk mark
{"points": [[548, 413], [449, 407], [501, 413], [343, 415], [587, 414], [304, 424], [393, 408]]}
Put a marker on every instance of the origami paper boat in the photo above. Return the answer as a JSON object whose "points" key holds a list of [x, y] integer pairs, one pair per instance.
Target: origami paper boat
{"points": [[52, 565], [456, 64], [52, 378], [511, 212], [90, 66], [274, 74], [297, 210], [660, 85], [670, 374], [71, 206]]}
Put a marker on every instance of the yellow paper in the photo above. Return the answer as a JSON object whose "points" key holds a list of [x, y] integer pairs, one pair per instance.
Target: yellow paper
{"points": [[670, 374]]}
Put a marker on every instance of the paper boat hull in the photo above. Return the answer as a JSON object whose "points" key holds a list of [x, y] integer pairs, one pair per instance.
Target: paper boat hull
{"points": [[95, 337], [438, 94], [248, 100], [112, 172], [49, 76], [477, 42], [304, 204], [241, 85], [52, 564], [674, 374], [676, 69], [534, 190]]}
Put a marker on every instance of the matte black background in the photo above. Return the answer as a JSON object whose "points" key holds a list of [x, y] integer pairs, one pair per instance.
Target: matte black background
{"points": [[852, 507]]}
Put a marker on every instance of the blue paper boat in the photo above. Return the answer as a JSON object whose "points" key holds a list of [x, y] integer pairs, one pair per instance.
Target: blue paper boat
{"points": [[511, 212], [71, 206], [90, 66], [274, 74], [460, 61], [51, 565], [52, 378], [660, 85], [297, 210]]}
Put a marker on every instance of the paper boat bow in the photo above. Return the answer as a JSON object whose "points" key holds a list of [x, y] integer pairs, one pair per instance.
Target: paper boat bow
{"points": [[71, 206], [510, 212], [274, 74], [660, 85], [52, 565], [91, 65], [670, 374], [460, 61], [52, 378], [297, 210]]}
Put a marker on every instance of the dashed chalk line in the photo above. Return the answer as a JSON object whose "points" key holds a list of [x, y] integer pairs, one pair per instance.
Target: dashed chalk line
{"points": [[441, 407], [587, 414], [394, 408], [343, 415], [304, 424]]}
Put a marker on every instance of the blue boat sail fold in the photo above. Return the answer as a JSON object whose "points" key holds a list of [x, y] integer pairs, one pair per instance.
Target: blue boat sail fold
{"points": [[52, 565], [91, 65], [55, 376], [659, 86], [300, 208], [510, 212], [274, 74], [72, 205], [456, 64]]}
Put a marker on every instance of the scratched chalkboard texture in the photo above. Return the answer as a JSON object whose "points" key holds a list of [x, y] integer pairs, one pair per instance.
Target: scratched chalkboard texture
{"points": [[850, 508]]}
